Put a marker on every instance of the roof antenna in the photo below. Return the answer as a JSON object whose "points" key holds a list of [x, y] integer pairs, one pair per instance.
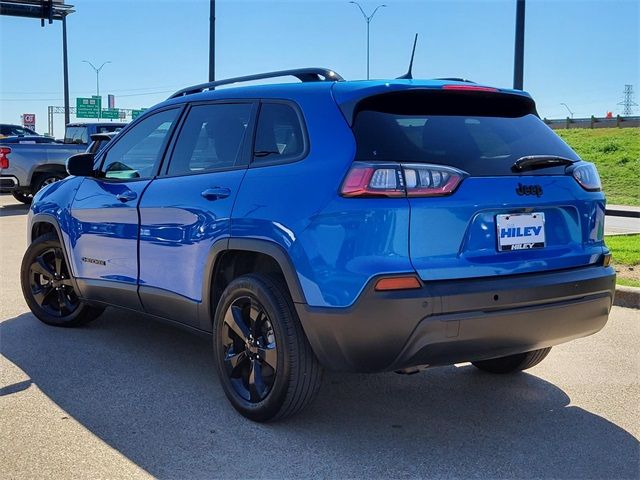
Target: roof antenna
{"points": [[409, 75]]}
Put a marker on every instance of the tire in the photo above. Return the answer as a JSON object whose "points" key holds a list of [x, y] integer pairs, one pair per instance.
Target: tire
{"points": [[257, 333], [47, 286], [46, 179], [513, 363], [22, 196]]}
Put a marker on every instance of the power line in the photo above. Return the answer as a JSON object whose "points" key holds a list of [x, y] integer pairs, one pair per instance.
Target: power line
{"points": [[57, 99], [172, 87]]}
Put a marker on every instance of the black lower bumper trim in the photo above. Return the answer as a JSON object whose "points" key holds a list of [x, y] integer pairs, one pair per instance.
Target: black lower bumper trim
{"points": [[448, 322], [8, 183]]}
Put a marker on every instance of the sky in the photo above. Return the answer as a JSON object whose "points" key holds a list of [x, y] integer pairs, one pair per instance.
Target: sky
{"points": [[577, 52]]}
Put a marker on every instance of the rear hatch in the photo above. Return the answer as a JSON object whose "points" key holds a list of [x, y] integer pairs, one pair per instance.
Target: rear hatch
{"points": [[492, 190]]}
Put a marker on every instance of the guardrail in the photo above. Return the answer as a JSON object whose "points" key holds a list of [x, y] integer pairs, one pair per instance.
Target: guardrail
{"points": [[593, 122]]}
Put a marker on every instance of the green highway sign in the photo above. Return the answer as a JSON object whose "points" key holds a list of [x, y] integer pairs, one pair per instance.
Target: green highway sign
{"points": [[136, 113], [88, 107], [110, 113]]}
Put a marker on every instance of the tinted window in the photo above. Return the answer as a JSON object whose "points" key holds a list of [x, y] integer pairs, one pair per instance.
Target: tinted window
{"points": [[76, 135], [279, 134], [480, 145], [136, 153], [211, 138]]}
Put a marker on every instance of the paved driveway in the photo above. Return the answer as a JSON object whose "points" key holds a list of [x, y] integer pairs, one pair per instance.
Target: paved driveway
{"points": [[130, 398]]}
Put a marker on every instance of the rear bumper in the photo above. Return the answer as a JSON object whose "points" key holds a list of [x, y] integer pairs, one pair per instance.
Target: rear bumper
{"points": [[8, 183], [448, 322]]}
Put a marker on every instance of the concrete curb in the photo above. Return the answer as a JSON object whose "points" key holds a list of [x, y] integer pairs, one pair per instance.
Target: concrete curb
{"points": [[621, 213], [628, 297]]}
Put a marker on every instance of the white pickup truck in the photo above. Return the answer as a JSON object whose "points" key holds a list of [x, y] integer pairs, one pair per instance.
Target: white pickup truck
{"points": [[27, 165]]}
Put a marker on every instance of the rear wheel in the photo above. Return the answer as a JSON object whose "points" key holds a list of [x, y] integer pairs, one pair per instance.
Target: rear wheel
{"points": [[513, 363], [47, 179], [263, 358], [22, 196], [47, 286]]}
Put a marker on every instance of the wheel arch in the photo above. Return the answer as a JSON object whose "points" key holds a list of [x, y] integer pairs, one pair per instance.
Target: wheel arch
{"points": [[42, 223], [267, 256], [46, 168]]}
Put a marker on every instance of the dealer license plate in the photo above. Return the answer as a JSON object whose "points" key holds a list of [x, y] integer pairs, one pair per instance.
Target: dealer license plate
{"points": [[520, 231]]}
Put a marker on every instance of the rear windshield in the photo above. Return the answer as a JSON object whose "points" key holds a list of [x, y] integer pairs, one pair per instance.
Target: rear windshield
{"points": [[478, 143]]}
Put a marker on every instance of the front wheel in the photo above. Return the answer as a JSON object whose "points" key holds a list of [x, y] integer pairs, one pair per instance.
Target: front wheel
{"points": [[47, 286], [263, 358], [513, 363]]}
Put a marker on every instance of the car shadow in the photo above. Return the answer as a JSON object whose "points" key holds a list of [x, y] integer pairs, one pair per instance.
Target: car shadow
{"points": [[149, 391], [13, 209]]}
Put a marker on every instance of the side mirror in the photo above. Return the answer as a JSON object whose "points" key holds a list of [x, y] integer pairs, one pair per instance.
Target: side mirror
{"points": [[81, 165]]}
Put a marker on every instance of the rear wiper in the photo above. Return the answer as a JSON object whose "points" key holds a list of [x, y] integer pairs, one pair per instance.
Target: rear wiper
{"points": [[533, 162]]}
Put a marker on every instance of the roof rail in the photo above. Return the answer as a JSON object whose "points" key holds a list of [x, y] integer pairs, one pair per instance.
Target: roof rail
{"points": [[303, 74]]}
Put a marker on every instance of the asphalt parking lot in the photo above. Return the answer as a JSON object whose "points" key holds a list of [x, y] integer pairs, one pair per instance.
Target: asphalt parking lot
{"points": [[126, 397]]}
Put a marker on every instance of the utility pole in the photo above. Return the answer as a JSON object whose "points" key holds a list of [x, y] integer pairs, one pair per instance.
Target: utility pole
{"points": [[212, 40], [518, 61], [367, 18], [65, 74]]}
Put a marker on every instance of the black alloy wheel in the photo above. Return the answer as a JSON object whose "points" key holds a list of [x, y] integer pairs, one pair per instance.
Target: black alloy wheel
{"points": [[51, 285], [250, 350], [48, 288], [266, 366]]}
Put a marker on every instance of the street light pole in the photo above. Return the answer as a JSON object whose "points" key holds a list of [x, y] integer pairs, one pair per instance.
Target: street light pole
{"points": [[97, 70], [367, 18], [568, 109]]}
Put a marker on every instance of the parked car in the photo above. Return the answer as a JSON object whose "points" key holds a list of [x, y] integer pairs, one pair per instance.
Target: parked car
{"points": [[27, 166], [9, 130], [362, 226]]}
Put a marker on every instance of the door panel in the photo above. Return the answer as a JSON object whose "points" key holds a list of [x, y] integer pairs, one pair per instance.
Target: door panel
{"points": [[183, 214], [105, 212]]}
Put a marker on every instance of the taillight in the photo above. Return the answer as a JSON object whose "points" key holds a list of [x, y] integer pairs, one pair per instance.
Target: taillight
{"points": [[587, 176], [4, 158], [370, 179]]}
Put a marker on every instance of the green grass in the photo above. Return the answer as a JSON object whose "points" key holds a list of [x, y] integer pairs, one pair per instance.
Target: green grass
{"points": [[616, 152], [627, 282], [625, 248]]}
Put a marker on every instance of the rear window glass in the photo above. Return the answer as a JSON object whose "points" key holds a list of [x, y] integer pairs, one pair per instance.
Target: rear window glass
{"points": [[478, 144], [76, 135]]}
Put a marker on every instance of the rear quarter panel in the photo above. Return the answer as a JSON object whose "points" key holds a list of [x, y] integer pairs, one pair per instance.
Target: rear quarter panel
{"points": [[335, 244]]}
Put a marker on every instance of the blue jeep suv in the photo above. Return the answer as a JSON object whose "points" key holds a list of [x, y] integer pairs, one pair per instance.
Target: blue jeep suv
{"points": [[361, 226]]}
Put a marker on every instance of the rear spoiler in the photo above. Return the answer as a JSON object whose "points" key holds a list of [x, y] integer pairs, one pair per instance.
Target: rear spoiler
{"points": [[446, 100]]}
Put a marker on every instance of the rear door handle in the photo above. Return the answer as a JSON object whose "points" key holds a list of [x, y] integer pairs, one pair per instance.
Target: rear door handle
{"points": [[127, 196], [216, 192]]}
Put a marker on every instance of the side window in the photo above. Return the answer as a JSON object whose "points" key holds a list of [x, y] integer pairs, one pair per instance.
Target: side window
{"points": [[136, 153], [211, 138], [278, 135]]}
